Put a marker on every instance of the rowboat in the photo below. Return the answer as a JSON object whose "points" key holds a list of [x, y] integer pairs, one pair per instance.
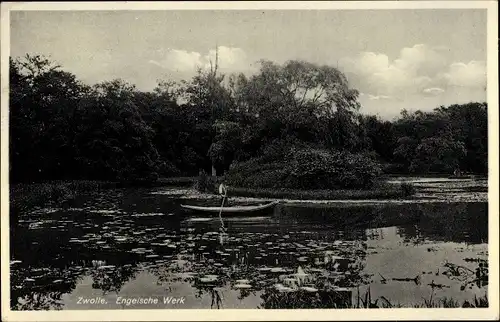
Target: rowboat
{"points": [[232, 210]]}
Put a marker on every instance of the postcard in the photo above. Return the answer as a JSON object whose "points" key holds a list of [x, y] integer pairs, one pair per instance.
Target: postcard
{"points": [[193, 161]]}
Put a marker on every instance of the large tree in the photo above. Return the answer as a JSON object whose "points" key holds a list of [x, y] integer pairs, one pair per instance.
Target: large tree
{"points": [[299, 100], [42, 105]]}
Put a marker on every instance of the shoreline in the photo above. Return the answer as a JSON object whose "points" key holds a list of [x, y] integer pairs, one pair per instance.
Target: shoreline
{"points": [[192, 194], [56, 194], [24, 194]]}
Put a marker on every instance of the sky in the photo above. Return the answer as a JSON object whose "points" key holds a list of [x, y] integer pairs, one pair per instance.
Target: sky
{"points": [[396, 59]]}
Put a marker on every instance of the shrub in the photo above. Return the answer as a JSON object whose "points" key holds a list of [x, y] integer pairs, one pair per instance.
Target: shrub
{"points": [[204, 183], [307, 169]]}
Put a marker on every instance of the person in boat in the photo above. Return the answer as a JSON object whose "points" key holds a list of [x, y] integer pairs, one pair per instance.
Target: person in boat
{"points": [[223, 190]]}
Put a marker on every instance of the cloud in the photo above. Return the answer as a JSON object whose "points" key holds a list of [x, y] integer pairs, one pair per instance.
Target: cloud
{"points": [[378, 97], [179, 60], [229, 59], [472, 74], [418, 70], [421, 60], [434, 91]]}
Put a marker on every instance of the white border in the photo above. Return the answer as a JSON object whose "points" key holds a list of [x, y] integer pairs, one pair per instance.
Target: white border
{"points": [[259, 315]]}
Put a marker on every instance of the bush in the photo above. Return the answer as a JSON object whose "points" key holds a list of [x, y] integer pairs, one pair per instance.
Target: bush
{"points": [[307, 169], [204, 183], [279, 193]]}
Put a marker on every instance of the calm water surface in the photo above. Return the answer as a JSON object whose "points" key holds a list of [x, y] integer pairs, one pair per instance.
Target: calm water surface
{"points": [[133, 244]]}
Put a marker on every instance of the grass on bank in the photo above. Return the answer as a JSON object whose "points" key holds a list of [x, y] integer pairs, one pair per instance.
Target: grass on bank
{"points": [[25, 196], [386, 193]]}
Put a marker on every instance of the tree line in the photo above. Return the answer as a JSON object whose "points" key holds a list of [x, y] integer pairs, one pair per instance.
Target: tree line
{"points": [[62, 128]]}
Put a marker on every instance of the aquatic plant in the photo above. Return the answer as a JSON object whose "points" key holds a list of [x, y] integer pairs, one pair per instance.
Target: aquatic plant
{"points": [[467, 276], [276, 298], [365, 301], [478, 302]]}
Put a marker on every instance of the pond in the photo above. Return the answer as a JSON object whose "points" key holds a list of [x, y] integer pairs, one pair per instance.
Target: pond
{"points": [[136, 249]]}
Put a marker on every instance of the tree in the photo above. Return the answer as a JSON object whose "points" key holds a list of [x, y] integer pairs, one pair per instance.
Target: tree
{"points": [[309, 102], [42, 117], [448, 137], [437, 154], [115, 131]]}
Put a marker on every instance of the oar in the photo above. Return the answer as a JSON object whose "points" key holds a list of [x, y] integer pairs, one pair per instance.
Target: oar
{"points": [[223, 192], [220, 214]]}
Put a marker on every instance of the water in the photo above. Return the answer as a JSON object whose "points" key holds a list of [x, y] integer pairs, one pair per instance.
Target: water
{"points": [[122, 245]]}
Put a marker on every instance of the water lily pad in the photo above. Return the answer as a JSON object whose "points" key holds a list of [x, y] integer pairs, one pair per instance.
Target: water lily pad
{"points": [[212, 276], [208, 279], [187, 275], [106, 211], [243, 281], [242, 286], [284, 289], [342, 289]]}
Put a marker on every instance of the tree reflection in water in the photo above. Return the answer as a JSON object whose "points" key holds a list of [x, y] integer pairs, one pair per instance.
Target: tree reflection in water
{"points": [[440, 222], [111, 278], [319, 274], [41, 288], [32, 301]]}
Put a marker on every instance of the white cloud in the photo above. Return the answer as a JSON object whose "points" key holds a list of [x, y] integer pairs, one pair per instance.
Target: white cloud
{"points": [[433, 91], [229, 59], [367, 63], [410, 73], [418, 70], [179, 60], [421, 60], [472, 74], [378, 97]]}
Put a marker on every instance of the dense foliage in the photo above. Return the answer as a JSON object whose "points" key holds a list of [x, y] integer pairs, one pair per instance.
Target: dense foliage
{"points": [[307, 169], [295, 124]]}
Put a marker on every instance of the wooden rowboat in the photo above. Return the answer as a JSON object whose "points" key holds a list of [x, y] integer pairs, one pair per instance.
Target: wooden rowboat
{"points": [[232, 210]]}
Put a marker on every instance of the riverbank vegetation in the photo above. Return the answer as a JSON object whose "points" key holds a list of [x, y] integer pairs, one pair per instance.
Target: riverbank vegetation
{"points": [[303, 300], [387, 192], [290, 126]]}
